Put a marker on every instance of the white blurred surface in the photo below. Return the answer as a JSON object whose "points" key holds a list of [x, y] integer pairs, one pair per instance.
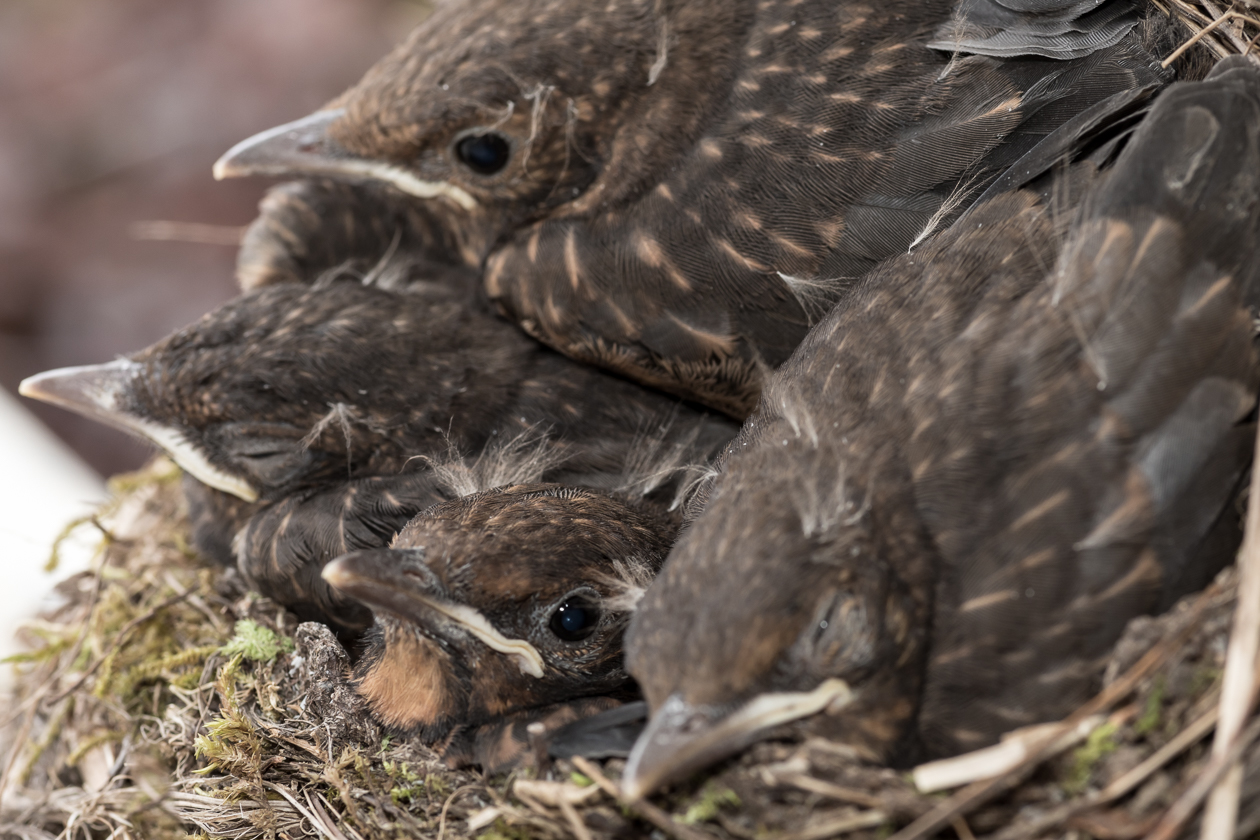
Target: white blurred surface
{"points": [[43, 485]]}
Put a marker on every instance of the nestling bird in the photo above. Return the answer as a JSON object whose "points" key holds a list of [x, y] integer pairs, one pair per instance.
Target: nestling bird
{"points": [[676, 190], [307, 228], [969, 477], [327, 408], [500, 608]]}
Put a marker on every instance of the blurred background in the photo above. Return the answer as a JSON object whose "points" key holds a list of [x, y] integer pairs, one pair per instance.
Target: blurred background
{"points": [[111, 115]]}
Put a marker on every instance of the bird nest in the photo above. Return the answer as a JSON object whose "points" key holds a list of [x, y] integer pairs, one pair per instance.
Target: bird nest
{"points": [[162, 698]]}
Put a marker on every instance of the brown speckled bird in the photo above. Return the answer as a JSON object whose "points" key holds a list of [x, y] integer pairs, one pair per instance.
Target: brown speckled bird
{"points": [[501, 608], [677, 189], [981, 465], [330, 412]]}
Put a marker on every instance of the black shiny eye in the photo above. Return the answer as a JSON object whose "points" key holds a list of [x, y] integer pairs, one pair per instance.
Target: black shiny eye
{"points": [[575, 619], [484, 154]]}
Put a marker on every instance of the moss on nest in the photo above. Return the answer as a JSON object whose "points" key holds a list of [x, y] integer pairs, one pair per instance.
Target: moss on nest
{"points": [[162, 699]]}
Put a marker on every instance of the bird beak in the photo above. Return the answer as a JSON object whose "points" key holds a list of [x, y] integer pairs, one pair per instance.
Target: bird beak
{"points": [[101, 392], [681, 739], [383, 579], [304, 148]]}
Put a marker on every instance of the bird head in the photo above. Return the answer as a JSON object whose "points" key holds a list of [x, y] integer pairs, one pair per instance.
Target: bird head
{"points": [[777, 604], [293, 385], [507, 111], [511, 599]]}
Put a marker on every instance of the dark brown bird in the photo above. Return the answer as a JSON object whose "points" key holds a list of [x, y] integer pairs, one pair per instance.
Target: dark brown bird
{"points": [[677, 190], [501, 608], [981, 465], [333, 407], [307, 228]]}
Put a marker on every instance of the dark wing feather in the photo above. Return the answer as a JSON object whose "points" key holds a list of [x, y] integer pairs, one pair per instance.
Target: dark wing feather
{"points": [[283, 550], [609, 734], [827, 156], [983, 117], [1046, 28], [1140, 338]]}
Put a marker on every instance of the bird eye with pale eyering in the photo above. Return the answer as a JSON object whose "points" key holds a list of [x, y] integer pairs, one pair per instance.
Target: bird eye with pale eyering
{"points": [[575, 618], [484, 154]]}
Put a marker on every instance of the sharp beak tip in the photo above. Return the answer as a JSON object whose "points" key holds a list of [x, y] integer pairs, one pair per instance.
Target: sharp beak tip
{"points": [[649, 768], [30, 387], [336, 573], [284, 150], [658, 757], [359, 573], [352, 570], [86, 389], [632, 788]]}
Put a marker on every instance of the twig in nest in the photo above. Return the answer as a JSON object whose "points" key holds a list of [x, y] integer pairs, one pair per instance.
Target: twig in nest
{"points": [[1215, 12], [45, 684], [1205, 31], [963, 830], [447, 806], [1119, 787], [841, 825], [31, 704], [824, 788], [1181, 811], [642, 807], [575, 822], [1238, 688], [974, 795], [1002, 757], [18, 742], [325, 823], [540, 794]]}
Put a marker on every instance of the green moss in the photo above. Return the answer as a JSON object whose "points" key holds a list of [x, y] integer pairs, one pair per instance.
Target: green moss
{"points": [[437, 785], [51, 734], [231, 743], [158, 472], [153, 669], [408, 786], [256, 643], [54, 555], [1100, 743], [705, 808], [51, 649]]}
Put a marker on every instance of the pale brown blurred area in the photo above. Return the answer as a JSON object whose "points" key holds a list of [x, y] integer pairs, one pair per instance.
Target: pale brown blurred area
{"points": [[111, 114]]}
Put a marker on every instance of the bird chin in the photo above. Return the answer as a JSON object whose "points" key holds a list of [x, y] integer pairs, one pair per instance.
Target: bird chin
{"points": [[96, 391], [192, 461], [680, 739], [303, 147]]}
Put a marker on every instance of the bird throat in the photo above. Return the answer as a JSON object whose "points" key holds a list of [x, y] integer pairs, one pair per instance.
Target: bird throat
{"points": [[407, 688]]}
